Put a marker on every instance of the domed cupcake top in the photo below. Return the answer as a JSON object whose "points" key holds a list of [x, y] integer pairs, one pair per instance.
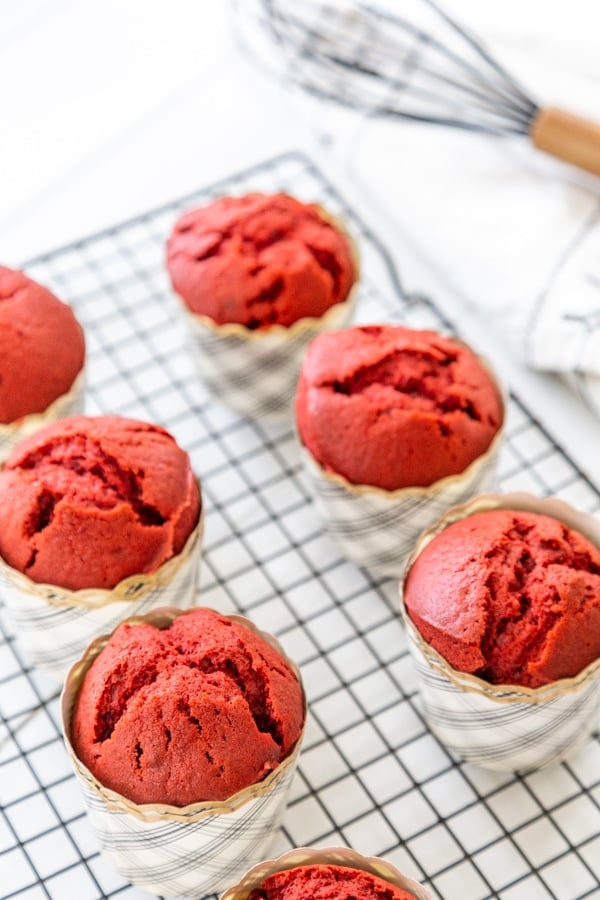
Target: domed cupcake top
{"points": [[511, 596], [42, 347], [87, 501], [259, 260], [393, 407], [196, 711]]}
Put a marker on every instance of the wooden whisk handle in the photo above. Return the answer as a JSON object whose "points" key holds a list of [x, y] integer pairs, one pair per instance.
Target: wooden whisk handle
{"points": [[570, 137]]}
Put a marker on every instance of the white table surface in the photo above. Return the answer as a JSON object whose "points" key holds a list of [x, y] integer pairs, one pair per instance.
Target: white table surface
{"points": [[110, 109]]}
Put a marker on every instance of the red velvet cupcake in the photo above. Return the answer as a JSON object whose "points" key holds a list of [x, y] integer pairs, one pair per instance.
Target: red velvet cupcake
{"points": [[396, 426], [184, 730], [42, 356], [259, 276], [501, 601]]}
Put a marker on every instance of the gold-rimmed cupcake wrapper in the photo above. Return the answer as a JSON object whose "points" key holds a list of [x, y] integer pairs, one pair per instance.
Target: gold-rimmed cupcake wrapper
{"points": [[335, 856], [54, 626], [376, 528], [69, 404], [505, 727], [185, 851]]}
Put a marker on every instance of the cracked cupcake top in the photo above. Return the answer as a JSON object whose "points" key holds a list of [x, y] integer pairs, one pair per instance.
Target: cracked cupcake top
{"points": [[327, 882], [193, 712], [393, 407], [41, 346], [88, 501], [510, 596], [259, 260]]}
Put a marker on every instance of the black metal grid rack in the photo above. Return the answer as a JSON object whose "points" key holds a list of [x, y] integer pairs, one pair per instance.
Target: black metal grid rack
{"points": [[371, 775]]}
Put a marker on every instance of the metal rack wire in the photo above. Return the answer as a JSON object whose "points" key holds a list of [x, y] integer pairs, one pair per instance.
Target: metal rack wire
{"points": [[371, 775]]}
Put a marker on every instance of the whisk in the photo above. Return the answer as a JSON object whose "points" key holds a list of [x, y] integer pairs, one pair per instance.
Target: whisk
{"points": [[420, 65]]}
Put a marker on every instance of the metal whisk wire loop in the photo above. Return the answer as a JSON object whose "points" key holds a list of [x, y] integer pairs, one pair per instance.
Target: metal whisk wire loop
{"points": [[421, 65]]}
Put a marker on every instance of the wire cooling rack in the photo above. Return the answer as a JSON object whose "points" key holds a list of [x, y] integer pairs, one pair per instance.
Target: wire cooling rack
{"points": [[371, 776]]}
